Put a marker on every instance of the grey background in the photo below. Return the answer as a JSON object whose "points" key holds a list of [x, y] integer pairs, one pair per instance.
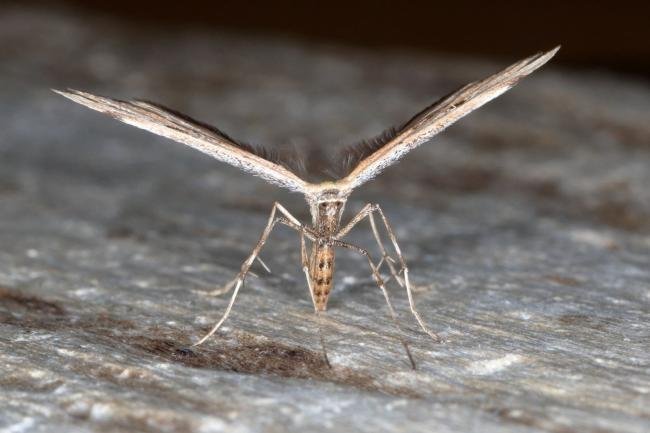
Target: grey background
{"points": [[525, 227]]}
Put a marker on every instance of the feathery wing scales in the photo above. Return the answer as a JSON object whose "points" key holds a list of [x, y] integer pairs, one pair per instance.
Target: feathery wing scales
{"points": [[378, 155], [167, 123]]}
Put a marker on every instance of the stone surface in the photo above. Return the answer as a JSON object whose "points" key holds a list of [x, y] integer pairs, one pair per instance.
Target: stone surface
{"points": [[526, 227]]}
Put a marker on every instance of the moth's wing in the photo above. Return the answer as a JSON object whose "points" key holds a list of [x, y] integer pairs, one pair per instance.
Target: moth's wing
{"points": [[178, 127], [376, 155]]}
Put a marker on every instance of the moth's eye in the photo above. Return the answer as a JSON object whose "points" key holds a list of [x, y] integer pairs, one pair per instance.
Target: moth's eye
{"points": [[323, 205]]}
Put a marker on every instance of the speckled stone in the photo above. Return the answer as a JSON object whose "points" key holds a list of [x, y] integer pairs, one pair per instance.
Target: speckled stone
{"points": [[526, 227]]}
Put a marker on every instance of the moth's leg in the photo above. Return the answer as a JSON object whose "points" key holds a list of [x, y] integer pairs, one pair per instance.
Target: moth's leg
{"points": [[404, 270], [382, 286], [389, 260], [305, 267], [354, 221], [367, 211], [266, 268], [319, 318], [290, 221]]}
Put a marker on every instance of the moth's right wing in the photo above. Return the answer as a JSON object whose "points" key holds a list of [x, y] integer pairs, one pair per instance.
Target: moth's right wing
{"points": [[372, 157], [167, 123]]}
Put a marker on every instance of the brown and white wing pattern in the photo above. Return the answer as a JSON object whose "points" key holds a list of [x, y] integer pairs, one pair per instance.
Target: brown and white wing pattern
{"points": [[167, 123], [374, 156]]}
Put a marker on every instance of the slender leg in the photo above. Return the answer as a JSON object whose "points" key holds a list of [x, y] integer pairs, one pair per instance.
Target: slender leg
{"points": [[239, 280], [266, 268], [405, 271], [389, 259], [355, 220], [382, 286], [319, 317], [379, 265], [367, 211], [289, 220]]}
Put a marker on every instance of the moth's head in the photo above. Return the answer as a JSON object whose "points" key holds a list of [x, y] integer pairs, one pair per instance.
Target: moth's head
{"points": [[327, 203]]}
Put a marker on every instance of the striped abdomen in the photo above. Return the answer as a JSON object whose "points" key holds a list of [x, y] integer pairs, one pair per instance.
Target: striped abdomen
{"points": [[321, 273]]}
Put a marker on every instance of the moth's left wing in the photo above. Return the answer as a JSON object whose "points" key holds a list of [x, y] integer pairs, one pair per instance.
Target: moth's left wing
{"points": [[180, 128], [372, 157]]}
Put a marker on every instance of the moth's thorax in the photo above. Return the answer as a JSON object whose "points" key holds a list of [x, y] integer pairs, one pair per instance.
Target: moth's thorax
{"points": [[326, 210], [327, 218]]}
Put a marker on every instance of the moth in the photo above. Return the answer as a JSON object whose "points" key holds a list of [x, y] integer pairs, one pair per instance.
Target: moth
{"points": [[354, 166]]}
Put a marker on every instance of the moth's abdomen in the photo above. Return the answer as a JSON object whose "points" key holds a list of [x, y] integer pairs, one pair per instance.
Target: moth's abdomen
{"points": [[321, 273]]}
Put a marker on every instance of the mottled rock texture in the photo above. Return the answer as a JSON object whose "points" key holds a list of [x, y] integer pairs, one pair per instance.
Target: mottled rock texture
{"points": [[526, 227]]}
